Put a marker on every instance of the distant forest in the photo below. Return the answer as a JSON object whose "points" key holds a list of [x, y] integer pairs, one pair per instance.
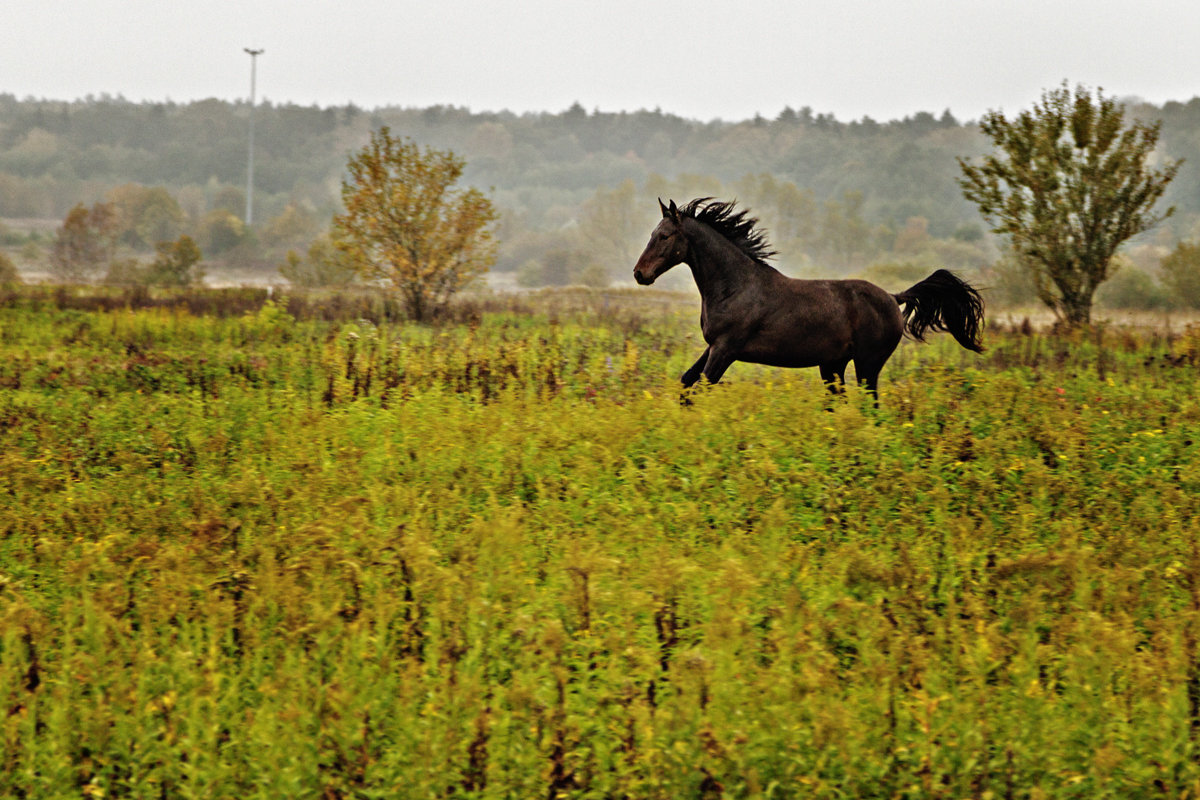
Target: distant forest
{"points": [[575, 189]]}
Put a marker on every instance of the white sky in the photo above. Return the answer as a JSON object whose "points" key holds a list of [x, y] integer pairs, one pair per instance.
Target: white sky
{"points": [[700, 59]]}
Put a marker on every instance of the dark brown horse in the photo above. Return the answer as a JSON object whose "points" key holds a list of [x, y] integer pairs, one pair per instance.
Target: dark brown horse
{"points": [[749, 311]]}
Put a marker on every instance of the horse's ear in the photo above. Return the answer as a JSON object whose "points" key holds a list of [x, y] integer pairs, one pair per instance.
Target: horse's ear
{"points": [[666, 213], [674, 212]]}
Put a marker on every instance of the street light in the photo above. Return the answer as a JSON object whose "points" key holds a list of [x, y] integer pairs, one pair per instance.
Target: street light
{"points": [[254, 54]]}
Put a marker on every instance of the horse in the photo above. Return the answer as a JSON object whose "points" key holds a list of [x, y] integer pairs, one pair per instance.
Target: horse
{"points": [[751, 312]]}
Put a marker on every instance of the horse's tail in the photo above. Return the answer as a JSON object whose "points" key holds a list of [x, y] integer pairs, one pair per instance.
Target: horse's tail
{"points": [[943, 302]]}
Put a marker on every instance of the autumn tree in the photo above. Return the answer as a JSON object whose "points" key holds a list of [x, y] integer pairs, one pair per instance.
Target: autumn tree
{"points": [[84, 243], [1068, 183], [176, 263], [408, 228]]}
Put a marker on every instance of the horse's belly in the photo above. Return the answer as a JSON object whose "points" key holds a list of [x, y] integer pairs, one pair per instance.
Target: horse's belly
{"points": [[792, 357], [791, 341]]}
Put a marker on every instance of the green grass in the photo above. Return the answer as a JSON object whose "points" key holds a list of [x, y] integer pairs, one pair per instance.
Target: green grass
{"points": [[250, 556]]}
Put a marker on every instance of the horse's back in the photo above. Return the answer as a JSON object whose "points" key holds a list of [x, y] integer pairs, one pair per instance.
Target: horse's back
{"points": [[812, 322], [870, 312]]}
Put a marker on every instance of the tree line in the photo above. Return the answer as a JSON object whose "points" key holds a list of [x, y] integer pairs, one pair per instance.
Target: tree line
{"points": [[574, 190]]}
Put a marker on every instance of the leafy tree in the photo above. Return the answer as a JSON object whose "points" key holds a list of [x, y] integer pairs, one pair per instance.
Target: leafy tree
{"points": [[1181, 274], [220, 231], [176, 263], [145, 214], [84, 243], [323, 265], [1068, 185], [408, 228]]}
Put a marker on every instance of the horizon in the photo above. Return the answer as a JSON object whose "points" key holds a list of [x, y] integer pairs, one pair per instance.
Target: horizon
{"points": [[595, 111]]}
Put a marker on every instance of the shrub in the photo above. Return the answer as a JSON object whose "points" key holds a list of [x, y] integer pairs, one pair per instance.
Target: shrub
{"points": [[1132, 288], [1181, 274], [8, 270], [323, 265], [1009, 282]]}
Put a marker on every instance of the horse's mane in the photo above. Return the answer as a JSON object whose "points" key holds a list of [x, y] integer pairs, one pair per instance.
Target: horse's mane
{"points": [[735, 225]]}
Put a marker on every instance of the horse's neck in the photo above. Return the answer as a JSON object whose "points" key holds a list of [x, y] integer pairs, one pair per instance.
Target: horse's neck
{"points": [[719, 267]]}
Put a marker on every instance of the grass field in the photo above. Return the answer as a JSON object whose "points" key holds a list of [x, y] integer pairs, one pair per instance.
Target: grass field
{"points": [[266, 555]]}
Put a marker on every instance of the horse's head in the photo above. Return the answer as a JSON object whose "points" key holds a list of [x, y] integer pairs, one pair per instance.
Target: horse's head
{"points": [[667, 247]]}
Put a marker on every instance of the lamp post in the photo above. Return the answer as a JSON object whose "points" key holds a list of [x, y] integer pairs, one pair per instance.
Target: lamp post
{"points": [[254, 54]]}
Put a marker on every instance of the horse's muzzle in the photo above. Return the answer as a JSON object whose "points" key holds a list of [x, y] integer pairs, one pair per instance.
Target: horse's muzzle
{"points": [[642, 279]]}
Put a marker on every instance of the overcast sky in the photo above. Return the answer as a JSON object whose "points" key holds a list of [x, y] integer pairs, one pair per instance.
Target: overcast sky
{"points": [[700, 59]]}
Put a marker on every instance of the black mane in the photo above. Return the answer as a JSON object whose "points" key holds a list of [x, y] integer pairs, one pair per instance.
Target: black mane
{"points": [[734, 225]]}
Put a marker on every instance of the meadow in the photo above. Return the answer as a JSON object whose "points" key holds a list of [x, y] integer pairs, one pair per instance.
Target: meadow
{"points": [[260, 553]]}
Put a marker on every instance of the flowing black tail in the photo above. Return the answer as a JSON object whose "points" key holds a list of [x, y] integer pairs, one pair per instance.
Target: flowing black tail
{"points": [[943, 302]]}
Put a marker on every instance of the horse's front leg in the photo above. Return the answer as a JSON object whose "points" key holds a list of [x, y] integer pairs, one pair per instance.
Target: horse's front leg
{"points": [[695, 371], [720, 357]]}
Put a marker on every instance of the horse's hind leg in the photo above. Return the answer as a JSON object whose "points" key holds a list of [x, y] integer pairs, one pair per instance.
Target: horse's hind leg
{"points": [[866, 371], [869, 381]]}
